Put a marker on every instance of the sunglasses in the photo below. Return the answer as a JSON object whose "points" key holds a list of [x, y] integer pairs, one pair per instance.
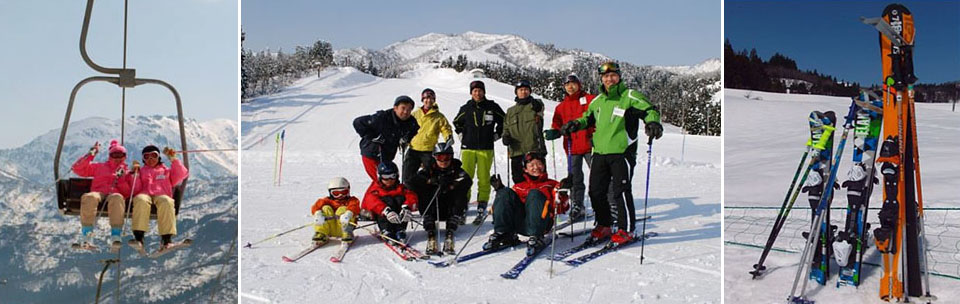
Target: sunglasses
{"points": [[608, 67], [340, 192], [118, 155], [443, 157], [151, 155]]}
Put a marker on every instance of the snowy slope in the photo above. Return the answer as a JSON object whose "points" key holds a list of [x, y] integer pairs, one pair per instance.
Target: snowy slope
{"points": [[508, 49], [36, 262], [682, 264], [765, 136]]}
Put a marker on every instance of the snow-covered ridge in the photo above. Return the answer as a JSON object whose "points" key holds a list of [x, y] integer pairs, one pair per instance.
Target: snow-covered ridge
{"points": [[509, 49]]}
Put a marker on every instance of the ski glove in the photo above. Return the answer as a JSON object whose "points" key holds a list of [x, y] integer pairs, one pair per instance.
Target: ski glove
{"points": [[391, 216], [95, 149], [496, 183], [170, 153], [570, 127], [405, 214], [551, 134], [136, 167], [654, 130], [507, 141], [379, 139]]}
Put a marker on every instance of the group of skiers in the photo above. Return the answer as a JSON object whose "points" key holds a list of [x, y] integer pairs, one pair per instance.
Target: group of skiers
{"points": [[600, 130], [115, 183]]}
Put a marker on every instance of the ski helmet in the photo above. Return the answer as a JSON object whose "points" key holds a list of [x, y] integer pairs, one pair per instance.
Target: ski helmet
{"points": [[533, 156], [442, 148], [607, 67], [522, 83], [572, 78], [338, 187], [388, 170]]}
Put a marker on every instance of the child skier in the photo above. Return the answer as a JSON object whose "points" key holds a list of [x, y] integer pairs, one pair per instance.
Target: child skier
{"points": [[335, 214]]}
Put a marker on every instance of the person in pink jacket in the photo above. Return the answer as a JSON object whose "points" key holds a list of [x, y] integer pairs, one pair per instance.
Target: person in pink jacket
{"points": [[107, 186], [153, 185]]}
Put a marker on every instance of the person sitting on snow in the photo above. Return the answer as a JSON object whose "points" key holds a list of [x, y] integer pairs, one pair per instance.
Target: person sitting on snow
{"points": [[527, 208], [153, 185], [445, 175], [106, 185], [336, 214], [391, 201]]}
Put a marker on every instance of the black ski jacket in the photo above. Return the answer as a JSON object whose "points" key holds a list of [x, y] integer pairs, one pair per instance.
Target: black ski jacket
{"points": [[382, 132], [480, 124]]}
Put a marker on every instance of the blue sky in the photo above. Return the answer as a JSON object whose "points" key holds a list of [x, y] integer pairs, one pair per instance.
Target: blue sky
{"points": [[641, 32], [828, 36], [191, 44]]}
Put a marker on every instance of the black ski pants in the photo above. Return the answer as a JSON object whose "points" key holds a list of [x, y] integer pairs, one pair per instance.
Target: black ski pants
{"points": [[609, 174]]}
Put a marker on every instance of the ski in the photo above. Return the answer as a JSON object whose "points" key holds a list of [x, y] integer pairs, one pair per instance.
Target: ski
{"points": [[138, 247], [313, 247], [606, 249], [178, 245], [341, 251], [586, 231], [514, 272], [471, 256], [851, 242], [817, 186]]}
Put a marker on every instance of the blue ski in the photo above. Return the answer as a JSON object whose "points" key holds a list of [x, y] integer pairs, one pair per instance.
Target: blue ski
{"points": [[605, 250], [514, 272], [470, 256]]}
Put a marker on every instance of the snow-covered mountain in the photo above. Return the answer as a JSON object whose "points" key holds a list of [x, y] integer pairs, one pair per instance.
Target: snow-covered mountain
{"points": [[512, 50], [36, 263]]}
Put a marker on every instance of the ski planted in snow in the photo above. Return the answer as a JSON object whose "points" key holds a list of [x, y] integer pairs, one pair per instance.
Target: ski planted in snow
{"points": [[610, 247]]}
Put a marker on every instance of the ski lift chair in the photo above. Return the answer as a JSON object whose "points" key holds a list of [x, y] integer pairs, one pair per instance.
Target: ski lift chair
{"points": [[70, 189]]}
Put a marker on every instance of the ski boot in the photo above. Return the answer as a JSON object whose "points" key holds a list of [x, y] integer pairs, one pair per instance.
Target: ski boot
{"points": [[620, 238], [401, 236], [448, 246], [86, 240], [534, 245], [500, 240], [481, 210], [346, 233], [319, 238], [115, 241], [576, 212], [599, 233], [432, 248]]}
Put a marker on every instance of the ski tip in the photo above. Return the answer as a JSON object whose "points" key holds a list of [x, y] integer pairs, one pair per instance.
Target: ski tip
{"points": [[334, 259], [248, 245], [508, 276], [288, 260]]}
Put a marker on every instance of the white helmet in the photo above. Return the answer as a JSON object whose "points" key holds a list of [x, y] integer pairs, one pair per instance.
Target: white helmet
{"points": [[338, 183]]}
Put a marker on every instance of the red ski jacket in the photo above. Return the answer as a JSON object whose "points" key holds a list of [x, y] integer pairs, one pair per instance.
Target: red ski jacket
{"points": [[372, 199], [572, 107], [542, 183]]}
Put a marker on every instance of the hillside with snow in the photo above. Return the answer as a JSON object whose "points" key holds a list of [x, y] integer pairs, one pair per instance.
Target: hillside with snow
{"points": [[681, 266], [511, 50], [37, 264], [765, 138]]}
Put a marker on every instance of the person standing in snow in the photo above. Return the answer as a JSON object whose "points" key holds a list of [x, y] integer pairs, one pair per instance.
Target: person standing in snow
{"points": [[444, 178], [383, 132], [479, 123], [106, 185], [335, 214], [523, 130], [153, 186], [577, 144], [432, 123], [391, 201], [527, 208], [610, 140]]}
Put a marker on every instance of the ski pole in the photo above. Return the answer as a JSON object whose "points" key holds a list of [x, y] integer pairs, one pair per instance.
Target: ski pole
{"points": [[774, 231], [276, 157], [249, 245], [206, 150], [432, 200], [553, 242], [282, 142], [484, 217], [570, 173], [646, 195]]}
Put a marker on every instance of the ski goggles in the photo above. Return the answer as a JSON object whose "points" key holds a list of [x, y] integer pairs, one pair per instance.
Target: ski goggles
{"points": [[339, 192], [443, 157], [118, 155], [389, 176], [607, 67], [150, 155]]}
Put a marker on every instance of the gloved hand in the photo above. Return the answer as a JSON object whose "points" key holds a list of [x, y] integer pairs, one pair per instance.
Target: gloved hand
{"points": [[496, 183], [379, 139], [551, 134], [391, 216], [170, 153], [566, 183], [507, 141], [563, 207], [95, 149], [570, 127], [404, 142], [136, 167], [366, 215], [119, 172], [405, 214], [654, 130], [327, 213]]}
